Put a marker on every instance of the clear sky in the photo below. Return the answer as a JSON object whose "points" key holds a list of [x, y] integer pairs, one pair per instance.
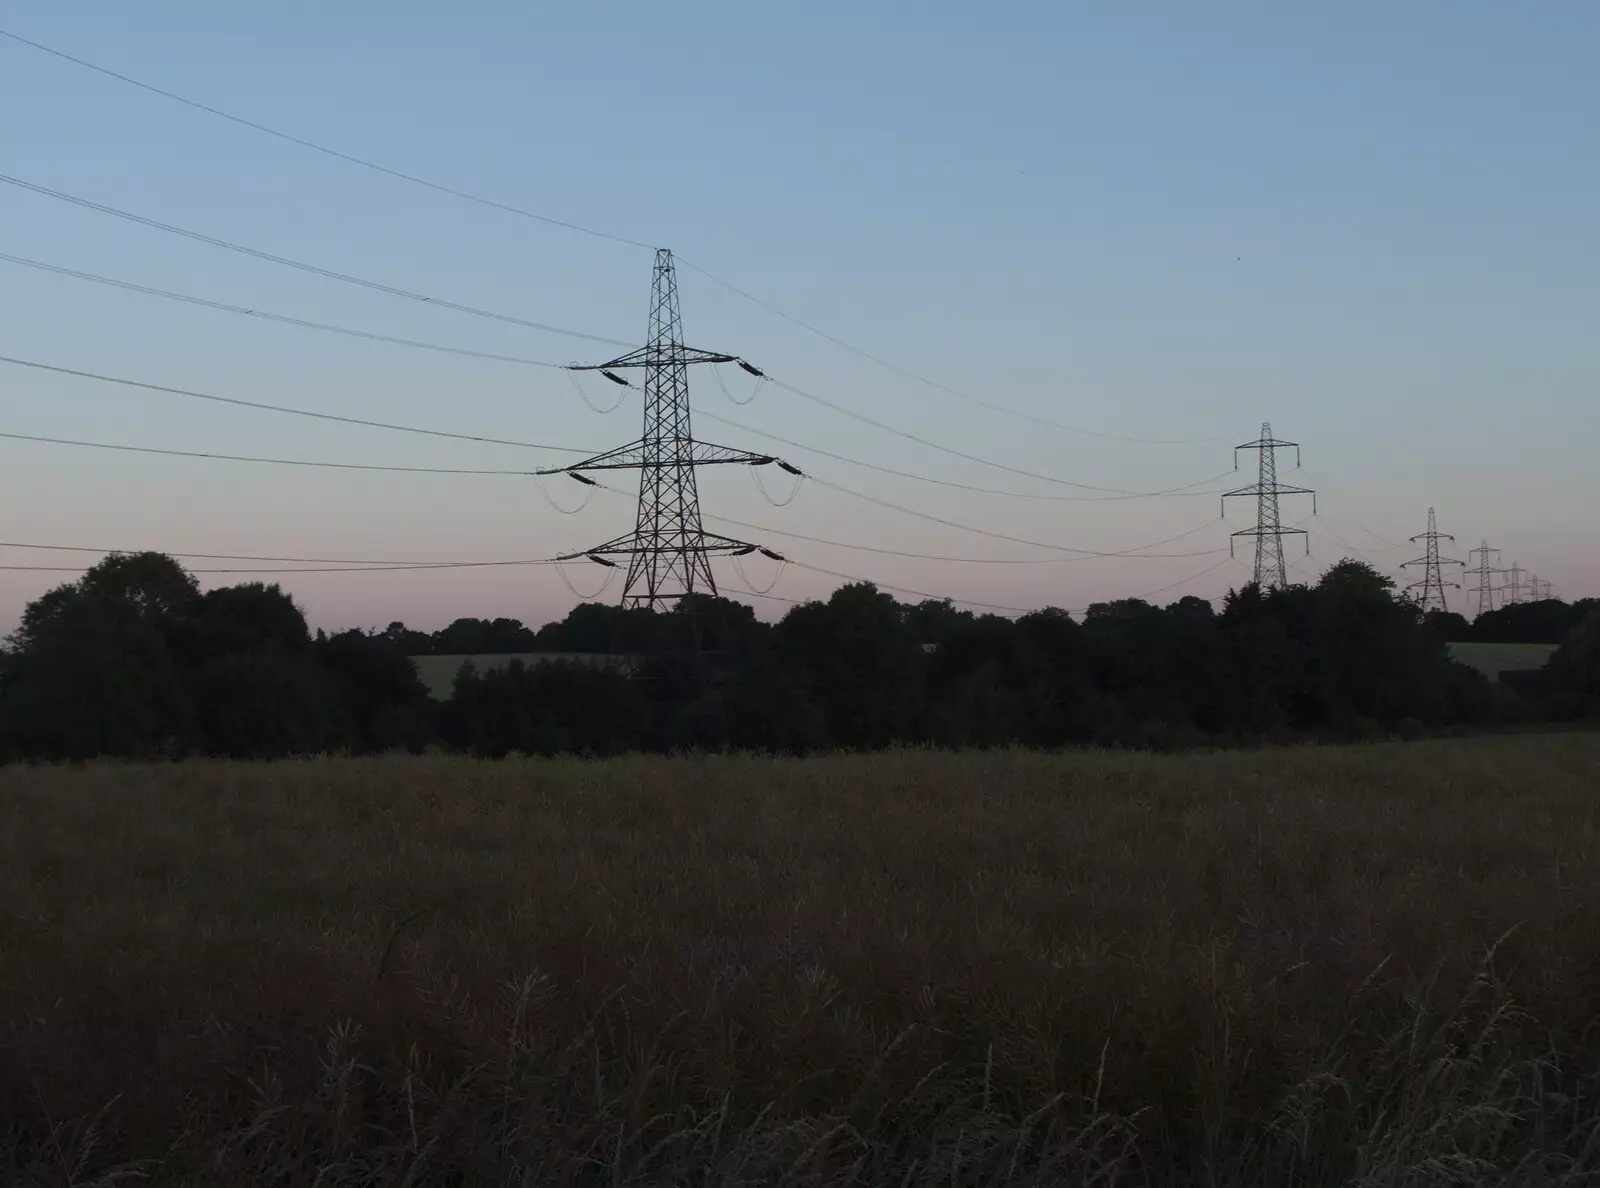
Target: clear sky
{"points": [[1372, 224]]}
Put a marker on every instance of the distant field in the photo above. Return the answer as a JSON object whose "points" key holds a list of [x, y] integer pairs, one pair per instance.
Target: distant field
{"points": [[438, 673], [1492, 659], [1370, 965]]}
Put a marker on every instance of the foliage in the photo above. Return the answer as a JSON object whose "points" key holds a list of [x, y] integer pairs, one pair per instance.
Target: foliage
{"points": [[1575, 668], [133, 660], [1548, 621]]}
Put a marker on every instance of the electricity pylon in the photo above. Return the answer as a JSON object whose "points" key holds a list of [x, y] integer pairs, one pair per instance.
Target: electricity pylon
{"points": [[669, 551], [1514, 584], [1433, 584], [1271, 571], [1485, 589]]}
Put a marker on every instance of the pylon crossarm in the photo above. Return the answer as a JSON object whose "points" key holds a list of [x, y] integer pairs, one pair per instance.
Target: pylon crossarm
{"points": [[645, 356], [627, 546], [637, 454], [703, 453], [1259, 531], [628, 457], [616, 545]]}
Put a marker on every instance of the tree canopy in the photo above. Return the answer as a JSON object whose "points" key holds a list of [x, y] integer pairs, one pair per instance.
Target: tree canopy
{"points": [[134, 660]]}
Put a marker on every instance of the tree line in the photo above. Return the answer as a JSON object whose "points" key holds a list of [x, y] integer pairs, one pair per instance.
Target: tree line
{"points": [[134, 660]]}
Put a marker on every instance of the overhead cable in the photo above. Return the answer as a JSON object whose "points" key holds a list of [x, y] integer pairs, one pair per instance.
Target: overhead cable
{"points": [[523, 212], [1135, 553], [305, 323], [309, 144], [171, 453], [951, 450], [935, 384], [366, 561], [279, 408], [285, 319], [314, 269], [931, 518], [1172, 492]]}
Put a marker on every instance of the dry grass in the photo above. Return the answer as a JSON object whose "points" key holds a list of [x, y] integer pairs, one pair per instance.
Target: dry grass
{"points": [[1373, 965]]}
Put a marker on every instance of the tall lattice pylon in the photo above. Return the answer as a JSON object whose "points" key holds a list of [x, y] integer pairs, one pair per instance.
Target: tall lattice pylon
{"points": [[669, 551], [1514, 584], [1485, 573], [1433, 584], [1271, 571]]}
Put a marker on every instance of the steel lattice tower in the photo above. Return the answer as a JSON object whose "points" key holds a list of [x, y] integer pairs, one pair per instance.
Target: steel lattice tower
{"points": [[1485, 589], [1513, 587], [669, 551], [1271, 571], [1433, 584]]}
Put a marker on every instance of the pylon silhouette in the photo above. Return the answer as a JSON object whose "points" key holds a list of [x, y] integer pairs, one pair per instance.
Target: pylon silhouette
{"points": [[1433, 584], [1485, 589], [669, 551], [1514, 584], [1271, 571]]}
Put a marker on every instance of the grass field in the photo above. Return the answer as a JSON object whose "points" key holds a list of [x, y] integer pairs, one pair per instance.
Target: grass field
{"points": [[1492, 659], [438, 673], [1367, 965]]}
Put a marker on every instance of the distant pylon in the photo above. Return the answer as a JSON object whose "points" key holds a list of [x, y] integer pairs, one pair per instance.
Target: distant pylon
{"points": [[1433, 584], [669, 551], [1271, 571], [1486, 573], [1514, 584]]}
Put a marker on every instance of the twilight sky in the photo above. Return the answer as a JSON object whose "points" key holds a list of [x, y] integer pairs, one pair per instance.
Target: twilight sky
{"points": [[1372, 224]]}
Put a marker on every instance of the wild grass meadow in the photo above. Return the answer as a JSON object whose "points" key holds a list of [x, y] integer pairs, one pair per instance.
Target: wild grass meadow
{"points": [[1374, 965]]}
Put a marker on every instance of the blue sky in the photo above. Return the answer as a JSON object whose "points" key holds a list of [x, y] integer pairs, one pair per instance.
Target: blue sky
{"points": [[1371, 224]]}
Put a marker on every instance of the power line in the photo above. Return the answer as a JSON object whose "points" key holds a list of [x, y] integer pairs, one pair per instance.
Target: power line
{"points": [[279, 408], [306, 323], [1173, 492], [453, 470], [133, 449], [944, 449], [1333, 538], [303, 143], [367, 561], [1134, 553], [508, 208], [317, 569], [935, 384], [1344, 511], [1022, 540], [479, 312], [1080, 554], [315, 270]]}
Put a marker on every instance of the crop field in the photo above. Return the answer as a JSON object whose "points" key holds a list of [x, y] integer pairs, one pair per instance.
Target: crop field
{"points": [[438, 673], [1371, 965], [1492, 659]]}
